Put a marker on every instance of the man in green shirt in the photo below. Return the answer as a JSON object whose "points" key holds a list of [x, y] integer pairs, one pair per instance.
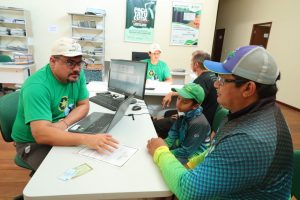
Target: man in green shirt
{"points": [[157, 69], [51, 100]]}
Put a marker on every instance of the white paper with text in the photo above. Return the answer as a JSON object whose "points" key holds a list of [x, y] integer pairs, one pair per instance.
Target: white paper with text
{"points": [[118, 157]]}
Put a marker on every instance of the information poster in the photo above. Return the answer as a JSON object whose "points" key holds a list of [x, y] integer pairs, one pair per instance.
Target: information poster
{"points": [[185, 23], [140, 16]]}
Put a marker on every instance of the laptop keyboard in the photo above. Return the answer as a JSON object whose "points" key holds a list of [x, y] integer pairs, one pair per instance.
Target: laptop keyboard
{"points": [[101, 123], [106, 101]]}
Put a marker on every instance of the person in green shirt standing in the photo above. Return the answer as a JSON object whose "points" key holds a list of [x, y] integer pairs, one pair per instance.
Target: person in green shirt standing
{"points": [[157, 69], [50, 101]]}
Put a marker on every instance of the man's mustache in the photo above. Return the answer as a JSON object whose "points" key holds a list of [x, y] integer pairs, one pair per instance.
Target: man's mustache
{"points": [[75, 73]]}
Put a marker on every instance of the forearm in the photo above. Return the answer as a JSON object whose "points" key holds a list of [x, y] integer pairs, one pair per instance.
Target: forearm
{"points": [[77, 114], [171, 169], [51, 135], [168, 80]]}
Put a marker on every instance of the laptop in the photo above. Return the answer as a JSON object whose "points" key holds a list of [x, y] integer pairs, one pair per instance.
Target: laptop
{"points": [[98, 122]]}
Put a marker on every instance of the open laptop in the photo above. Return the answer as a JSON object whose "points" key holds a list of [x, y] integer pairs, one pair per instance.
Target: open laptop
{"points": [[98, 122]]}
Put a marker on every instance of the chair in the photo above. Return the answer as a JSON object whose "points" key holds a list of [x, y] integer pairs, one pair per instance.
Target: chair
{"points": [[296, 175], [8, 107], [219, 116], [4, 58]]}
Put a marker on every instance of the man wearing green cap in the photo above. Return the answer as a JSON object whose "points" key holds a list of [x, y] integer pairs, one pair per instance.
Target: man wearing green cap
{"points": [[190, 133]]}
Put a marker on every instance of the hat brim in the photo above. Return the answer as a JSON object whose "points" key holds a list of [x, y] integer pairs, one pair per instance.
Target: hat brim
{"points": [[216, 67], [184, 94], [153, 51], [73, 54]]}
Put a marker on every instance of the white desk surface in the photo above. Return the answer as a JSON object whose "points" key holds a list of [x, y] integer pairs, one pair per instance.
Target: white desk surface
{"points": [[13, 73], [139, 177], [15, 66], [179, 73], [160, 88]]}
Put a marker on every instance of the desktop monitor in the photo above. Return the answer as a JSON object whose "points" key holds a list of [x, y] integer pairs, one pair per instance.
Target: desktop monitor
{"points": [[105, 71], [138, 56], [127, 77]]}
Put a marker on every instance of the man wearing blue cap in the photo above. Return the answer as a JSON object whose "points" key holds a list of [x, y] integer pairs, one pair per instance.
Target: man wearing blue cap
{"points": [[252, 154]]}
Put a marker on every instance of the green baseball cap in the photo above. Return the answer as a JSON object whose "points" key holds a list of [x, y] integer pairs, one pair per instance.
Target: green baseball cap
{"points": [[191, 91]]}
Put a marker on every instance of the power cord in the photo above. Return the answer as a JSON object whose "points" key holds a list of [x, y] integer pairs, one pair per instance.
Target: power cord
{"points": [[132, 115]]}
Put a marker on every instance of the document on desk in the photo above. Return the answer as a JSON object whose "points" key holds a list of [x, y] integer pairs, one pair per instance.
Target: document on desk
{"points": [[118, 157]]}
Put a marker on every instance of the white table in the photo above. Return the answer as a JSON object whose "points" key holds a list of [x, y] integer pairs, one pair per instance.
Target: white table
{"points": [[180, 78], [139, 177], [13, 73], [152, 98]]}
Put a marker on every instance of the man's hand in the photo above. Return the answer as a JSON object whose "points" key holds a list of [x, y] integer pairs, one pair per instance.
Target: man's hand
{"points": [[154, 143], [101, 142], [167, 100]]}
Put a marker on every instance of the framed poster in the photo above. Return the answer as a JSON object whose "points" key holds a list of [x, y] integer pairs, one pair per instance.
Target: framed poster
{"points": [[185, 23], [140, 16]]}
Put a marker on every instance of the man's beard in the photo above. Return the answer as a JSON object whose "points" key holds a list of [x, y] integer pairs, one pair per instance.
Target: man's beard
{"points": [[73, 80]]}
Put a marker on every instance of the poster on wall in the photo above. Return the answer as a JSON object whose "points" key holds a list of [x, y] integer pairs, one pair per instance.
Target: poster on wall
{"points": [[185, 23], [140, 16]]}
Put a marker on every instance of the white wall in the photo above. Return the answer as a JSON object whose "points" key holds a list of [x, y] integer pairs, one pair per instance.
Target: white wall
{"points": [[238, 17], [54, 12]]}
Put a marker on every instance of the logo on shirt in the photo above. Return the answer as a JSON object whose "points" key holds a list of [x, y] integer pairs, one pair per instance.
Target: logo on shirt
{"points": [[152, 74], [63, 103]]}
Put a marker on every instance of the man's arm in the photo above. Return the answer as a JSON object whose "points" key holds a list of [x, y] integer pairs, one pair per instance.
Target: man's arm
{"points": [[229, 168], [169, 80], [167, 99], [79, 112], [44, 132]]}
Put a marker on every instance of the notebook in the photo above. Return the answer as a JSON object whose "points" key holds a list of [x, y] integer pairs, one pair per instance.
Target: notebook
{"points": [[98, 122]]}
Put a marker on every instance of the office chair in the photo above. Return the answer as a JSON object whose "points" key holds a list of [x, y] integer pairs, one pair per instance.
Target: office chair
{"points": [[8, 107], [218, 117], [4, 58], [8, 112], [296, 175]]}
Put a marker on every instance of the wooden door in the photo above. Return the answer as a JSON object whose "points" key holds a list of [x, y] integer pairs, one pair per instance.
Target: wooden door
{"points": [[218, 45], [260, 34]]}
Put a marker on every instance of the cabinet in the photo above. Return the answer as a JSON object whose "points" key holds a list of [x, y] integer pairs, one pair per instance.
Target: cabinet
{"points": [[88, 30], [16, 35], [16, 48]]}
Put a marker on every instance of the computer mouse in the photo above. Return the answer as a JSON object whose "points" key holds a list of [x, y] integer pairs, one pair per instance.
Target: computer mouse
{"points": [[135, 108]]}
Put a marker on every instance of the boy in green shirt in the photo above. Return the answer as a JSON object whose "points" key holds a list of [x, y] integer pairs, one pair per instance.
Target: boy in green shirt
{"points": [[157, 69]]}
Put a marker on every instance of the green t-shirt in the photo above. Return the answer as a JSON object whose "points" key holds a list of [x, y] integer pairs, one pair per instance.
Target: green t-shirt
{"points": [[159, 71], [43, 97]]}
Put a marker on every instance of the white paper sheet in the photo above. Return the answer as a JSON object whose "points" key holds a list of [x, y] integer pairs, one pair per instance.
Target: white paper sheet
{"points": [[118, 157]]}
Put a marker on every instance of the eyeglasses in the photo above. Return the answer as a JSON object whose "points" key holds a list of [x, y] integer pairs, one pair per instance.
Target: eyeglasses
{"points": [[156, 53], [222, 81], [71, 64]]}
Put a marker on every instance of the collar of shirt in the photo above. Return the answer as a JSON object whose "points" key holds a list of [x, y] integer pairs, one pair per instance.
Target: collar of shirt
{"points": [[252, 108]]}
